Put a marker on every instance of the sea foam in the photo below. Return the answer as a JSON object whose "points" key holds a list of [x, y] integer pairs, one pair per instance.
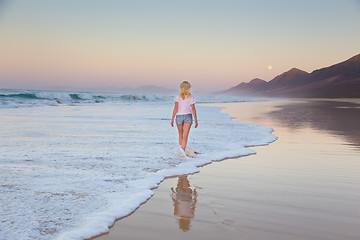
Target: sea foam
{"points": [[68, 171]]}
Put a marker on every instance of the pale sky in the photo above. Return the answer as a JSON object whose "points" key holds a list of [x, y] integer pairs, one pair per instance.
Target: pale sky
{"points": [[214, 44]]}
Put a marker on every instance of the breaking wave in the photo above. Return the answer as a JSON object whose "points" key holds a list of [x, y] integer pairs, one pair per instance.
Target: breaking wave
{"points": [[27, 98], [34, 98]]}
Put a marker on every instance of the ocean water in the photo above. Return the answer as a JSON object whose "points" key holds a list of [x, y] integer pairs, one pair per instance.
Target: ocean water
{"points": [[72, 163]]}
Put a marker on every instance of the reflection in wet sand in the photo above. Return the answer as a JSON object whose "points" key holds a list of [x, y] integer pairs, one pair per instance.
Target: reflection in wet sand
{"points": [[184, 199], [339, 118], [303, 186]]}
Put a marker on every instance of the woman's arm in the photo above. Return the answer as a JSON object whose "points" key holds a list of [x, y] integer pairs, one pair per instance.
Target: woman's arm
{"points": [[174, 113], [194, 113]]}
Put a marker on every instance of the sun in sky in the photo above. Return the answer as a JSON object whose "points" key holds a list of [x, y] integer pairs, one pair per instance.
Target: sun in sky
{"points": [[269, 67]]}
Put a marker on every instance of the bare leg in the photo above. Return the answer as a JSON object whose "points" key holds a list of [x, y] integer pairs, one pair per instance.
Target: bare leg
{"points": [[186, 131], [180, 130]]}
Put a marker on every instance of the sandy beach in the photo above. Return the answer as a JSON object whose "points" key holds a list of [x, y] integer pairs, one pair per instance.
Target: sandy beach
{"points": [[305, 185]]}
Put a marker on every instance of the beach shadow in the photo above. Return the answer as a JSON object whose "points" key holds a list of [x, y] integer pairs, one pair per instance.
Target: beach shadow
{"points": [[184, 199], [338, 118]]}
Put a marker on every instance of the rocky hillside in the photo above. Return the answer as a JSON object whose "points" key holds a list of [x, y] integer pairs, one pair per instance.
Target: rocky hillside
{"points": [[337, 81]]}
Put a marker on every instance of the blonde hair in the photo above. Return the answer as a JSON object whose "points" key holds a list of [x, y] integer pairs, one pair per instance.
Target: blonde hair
{"points": [[185, 90]]}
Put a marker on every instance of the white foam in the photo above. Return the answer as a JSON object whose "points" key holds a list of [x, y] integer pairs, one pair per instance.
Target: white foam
{"points": [[190, 152], [68, 172], [54, 95], [85, 96]]}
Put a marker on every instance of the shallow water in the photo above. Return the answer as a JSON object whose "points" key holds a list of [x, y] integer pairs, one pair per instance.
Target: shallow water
{"points": [[69, 169], [303, 186]]}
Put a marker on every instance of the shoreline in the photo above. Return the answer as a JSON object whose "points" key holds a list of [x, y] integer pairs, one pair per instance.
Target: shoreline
{"points": [[98, 185], [172, 177], [153, 207]]}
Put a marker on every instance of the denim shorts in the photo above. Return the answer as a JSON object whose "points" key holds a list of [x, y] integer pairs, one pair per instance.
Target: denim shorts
{"points": [[186, 118]]}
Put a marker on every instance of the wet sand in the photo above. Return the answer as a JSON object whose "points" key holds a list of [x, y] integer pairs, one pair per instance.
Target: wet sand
{"points": [[305, 185]]}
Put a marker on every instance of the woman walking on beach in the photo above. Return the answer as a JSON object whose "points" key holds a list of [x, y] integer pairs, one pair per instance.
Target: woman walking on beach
{"points": [[184, 110]]}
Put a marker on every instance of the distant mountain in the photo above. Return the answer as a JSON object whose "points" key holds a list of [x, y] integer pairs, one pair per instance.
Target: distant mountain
{"points": [[287, 81], [255, 86], [341, 80]]}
